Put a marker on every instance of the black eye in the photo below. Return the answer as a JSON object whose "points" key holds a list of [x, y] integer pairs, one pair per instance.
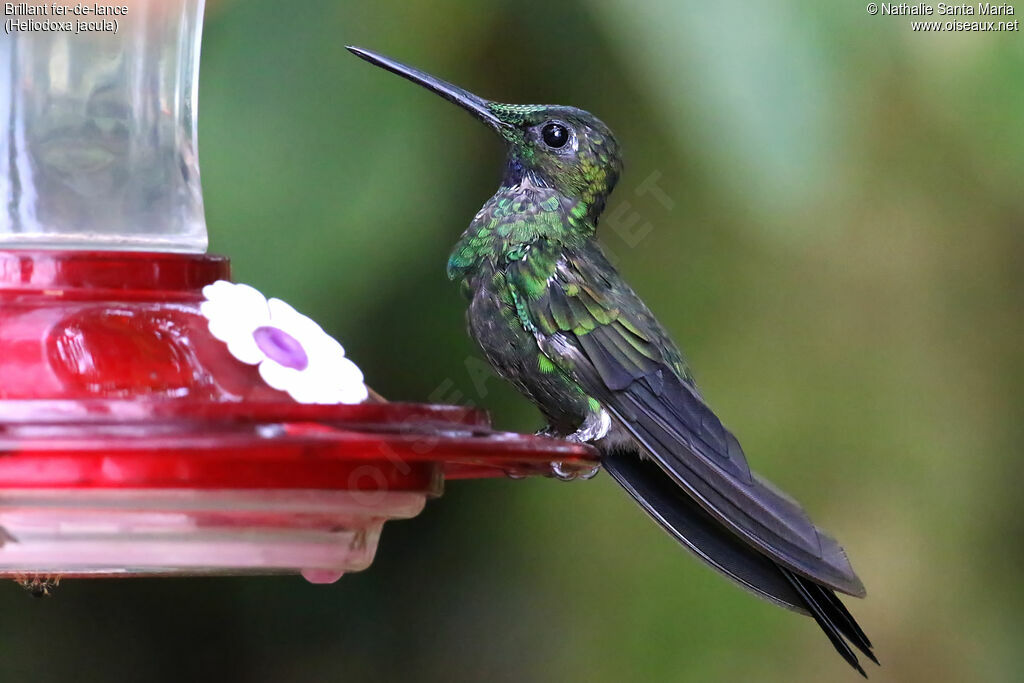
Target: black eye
{"points": [[554, 135]]}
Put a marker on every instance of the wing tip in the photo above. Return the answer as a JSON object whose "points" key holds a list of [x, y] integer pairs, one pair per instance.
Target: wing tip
{"points": [[844, 579]]}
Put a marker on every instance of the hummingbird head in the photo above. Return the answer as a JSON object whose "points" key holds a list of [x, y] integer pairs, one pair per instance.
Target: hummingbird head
{"points": [[562, 148]]}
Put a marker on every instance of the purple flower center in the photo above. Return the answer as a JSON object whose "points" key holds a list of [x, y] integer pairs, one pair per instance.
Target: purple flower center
{"points": [[281, 347]]}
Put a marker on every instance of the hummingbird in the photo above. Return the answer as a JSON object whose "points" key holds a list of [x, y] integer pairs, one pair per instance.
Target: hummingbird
{"points": [[554, 318]]}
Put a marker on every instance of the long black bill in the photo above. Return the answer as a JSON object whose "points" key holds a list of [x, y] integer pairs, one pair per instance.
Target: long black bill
{"points": [[467, 100]]}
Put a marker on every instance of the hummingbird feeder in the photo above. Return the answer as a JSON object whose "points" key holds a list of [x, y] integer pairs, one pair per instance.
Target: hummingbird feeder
{"points": [[140, 433]]}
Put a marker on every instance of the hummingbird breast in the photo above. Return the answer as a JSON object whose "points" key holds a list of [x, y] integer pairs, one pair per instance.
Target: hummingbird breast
{"points": [[508, 229]]}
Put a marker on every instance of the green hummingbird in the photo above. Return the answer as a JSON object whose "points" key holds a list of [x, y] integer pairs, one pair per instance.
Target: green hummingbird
{"points": [[554, 318]]}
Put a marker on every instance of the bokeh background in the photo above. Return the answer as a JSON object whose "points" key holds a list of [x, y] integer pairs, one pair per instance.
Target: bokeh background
{"points": [[840, 256]]}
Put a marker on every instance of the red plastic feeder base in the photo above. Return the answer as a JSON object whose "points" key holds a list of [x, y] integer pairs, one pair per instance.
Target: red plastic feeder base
{"points": [[133, 443]]}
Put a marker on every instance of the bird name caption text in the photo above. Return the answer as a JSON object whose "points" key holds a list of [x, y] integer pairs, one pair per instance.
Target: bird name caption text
{"points": [[56, 17], [945, 17]]}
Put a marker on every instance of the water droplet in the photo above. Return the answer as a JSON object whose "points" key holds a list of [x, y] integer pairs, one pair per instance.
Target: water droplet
{"points": [[562, 471], [572, 472], [514, 474]]}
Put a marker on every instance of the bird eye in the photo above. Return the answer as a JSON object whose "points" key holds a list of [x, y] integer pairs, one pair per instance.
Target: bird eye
{"points": [[554, 135]]}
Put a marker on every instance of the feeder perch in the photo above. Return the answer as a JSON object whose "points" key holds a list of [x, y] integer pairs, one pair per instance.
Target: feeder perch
{"points": [[132, 441]]}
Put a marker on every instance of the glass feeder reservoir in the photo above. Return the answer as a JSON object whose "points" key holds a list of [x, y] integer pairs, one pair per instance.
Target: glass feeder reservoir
{"points": [[100, 148], [132, 440]]}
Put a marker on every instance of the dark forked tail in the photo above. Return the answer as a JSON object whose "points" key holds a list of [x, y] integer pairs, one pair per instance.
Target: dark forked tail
{"points": [[702, 534], [833, 618]]}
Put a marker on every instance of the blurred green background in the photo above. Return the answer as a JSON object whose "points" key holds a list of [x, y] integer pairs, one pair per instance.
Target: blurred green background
{"points": [[841, 261]]}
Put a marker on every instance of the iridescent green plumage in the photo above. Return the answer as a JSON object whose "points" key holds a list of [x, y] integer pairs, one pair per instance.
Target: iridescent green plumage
{"points": [[555, 319]]}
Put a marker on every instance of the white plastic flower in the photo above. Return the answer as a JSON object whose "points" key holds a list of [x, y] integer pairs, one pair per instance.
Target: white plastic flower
{"points": [[294, 354]]}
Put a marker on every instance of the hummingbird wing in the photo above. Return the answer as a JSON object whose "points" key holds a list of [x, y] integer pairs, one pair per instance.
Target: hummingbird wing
{"points": [[594, 328]]}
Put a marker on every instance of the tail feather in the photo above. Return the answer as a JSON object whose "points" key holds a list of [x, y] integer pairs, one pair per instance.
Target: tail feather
{"points": [[833, 618], [849, 626]]}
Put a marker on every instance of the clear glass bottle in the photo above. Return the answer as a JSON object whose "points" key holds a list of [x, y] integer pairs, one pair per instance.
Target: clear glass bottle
{"points": [[98, 147]]}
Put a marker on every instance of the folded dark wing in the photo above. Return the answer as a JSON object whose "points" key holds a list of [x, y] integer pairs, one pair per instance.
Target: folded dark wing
{"points": [[595, 328]]}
